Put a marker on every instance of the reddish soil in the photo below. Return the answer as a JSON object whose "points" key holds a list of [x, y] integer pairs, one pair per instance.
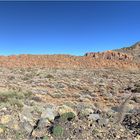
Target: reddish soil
{"points": [[65, 61]]}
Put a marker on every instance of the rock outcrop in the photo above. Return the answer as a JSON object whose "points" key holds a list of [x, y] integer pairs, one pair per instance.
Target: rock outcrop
{"points": [[110, 55], [133, 50]]}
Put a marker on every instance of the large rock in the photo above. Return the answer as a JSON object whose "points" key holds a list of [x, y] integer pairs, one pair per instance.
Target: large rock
{"points": [[27, 120], [26, 115], [49, 113], [94, 117]]}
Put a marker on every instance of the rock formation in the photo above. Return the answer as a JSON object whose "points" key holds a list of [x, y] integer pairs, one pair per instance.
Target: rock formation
{"points": [[133, 50], [110, 55]]}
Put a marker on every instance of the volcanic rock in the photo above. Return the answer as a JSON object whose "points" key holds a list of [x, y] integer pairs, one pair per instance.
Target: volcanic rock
{"points": [[133, 50], [110, 55]]}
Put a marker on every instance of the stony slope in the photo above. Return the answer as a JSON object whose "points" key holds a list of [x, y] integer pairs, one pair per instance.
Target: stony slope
{"points": [[60, 104], [133, 50]]}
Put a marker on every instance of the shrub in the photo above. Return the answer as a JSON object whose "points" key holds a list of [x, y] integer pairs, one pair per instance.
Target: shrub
{"points": [[5, 96], [137, 88], [45, 138], [49, 76], [13, 98], [68, 116], [11, 77], [15, 102], [58, 131]]}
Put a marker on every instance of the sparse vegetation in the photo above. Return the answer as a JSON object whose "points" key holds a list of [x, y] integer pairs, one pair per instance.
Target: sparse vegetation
{"points": [[45, 108], [137, 88], [6, 96], [13, 98]]}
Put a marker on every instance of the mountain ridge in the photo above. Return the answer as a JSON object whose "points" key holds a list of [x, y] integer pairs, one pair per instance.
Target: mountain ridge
{"points": [[123, 58], [133, 50]]}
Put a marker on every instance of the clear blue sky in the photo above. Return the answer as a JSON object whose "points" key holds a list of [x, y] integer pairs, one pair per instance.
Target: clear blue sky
{"points": [[67, 27]]}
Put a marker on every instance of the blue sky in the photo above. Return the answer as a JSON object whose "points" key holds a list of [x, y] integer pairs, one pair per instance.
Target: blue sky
{"points": [[67, 27]]}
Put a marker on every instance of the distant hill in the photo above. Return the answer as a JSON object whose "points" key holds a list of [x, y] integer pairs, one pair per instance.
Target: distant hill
{"points": [[125, 58], [65, 61], [133, 50]]}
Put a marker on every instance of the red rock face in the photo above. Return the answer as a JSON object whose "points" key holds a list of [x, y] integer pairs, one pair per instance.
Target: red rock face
{"points": [[110, 55]]}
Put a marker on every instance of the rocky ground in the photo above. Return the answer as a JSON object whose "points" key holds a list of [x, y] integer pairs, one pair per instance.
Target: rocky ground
{"points": [[69, 104], [64, 97]]}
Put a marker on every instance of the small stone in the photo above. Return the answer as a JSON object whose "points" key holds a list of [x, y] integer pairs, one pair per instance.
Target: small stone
{"points": [[94, 117], [83, 99], [4, 109], [118, 136], [49, 113], [121, 130], [27, 126], [87, 111], [38, 133], [103, 121], [16, 127]]}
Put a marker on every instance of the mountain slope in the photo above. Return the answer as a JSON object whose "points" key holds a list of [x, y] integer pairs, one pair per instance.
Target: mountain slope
{"points": [[125, 58], [65, 61], [133, 50]]}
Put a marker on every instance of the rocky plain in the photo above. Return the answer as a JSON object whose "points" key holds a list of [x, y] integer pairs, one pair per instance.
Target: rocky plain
{"points": [[64, 97]]}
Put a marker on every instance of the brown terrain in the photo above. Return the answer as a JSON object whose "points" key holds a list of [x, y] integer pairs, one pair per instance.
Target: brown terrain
{"points": [[106, 59], [64, 97]]}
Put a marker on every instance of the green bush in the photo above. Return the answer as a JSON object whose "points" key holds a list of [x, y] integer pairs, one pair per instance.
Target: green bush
{"points": [[45, 138], [49, 76], [58, 131], [12, 98], [5, 96], [67, 116], [13, 102]]}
